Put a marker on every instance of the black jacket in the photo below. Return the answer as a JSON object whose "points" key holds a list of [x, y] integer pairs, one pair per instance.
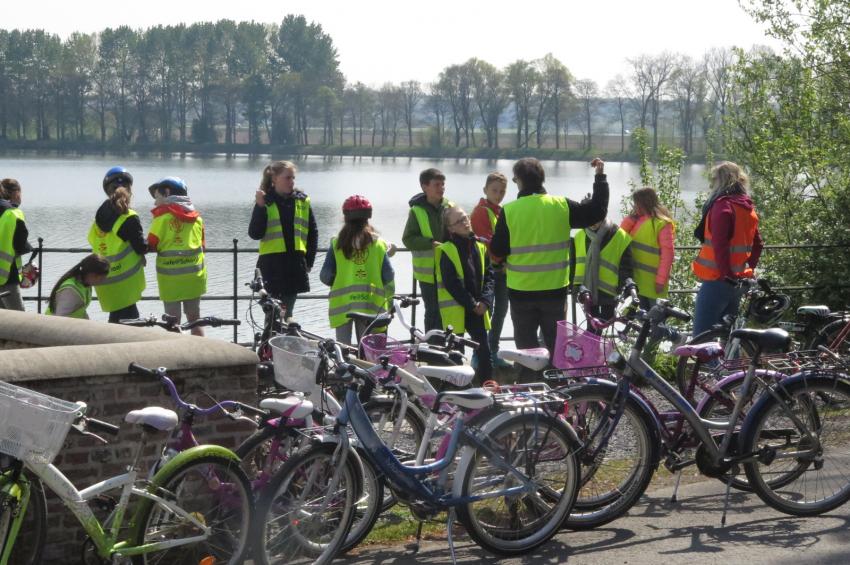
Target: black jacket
{"points": [[285, 273], [582, 215], [469, 290], [130, 231], [19, 240]]}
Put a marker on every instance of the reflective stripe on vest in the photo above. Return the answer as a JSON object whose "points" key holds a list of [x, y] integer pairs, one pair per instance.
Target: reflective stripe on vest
{"points": [[705, 266], [646, 253], [181, 271], [273, 240], [126, 279], [451, 312], [423, 260], [609, 260], [83, 291], [539, 227], [358, 285], [8, 224]]}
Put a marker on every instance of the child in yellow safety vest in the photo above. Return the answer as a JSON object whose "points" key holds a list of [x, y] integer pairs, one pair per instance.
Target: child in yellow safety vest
{"points": [[465, 286], [358, 270], [71, 295], [601, 261], [177, 236]]}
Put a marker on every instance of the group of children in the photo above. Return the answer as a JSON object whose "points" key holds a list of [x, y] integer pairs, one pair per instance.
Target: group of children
{"points": [[460, 285]]}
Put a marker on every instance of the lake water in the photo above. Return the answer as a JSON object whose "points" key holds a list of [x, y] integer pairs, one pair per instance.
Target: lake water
{"points": [[61, 194]]}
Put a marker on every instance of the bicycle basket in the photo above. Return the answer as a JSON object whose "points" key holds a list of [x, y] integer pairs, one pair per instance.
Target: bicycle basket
{"points": [[376, 345], [33, 426], [296, 363], [577, 348]]}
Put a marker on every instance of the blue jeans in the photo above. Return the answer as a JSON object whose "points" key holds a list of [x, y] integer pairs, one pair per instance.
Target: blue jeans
{"points": [[500, 310], [715, 299]]}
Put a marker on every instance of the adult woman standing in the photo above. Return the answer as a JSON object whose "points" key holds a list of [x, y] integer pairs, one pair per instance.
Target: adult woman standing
{"points": [[117, 235], [358, 270], [284, 224], [651, 229], [13, 244], [731, 245], [71, 295]]}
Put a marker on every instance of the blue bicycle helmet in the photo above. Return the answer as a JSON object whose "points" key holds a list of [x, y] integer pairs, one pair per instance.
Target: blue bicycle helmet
{"points": [[176, 185], [115, 177]]}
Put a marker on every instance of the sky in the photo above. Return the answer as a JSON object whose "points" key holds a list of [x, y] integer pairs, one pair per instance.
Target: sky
{"points": [[398, 40]]}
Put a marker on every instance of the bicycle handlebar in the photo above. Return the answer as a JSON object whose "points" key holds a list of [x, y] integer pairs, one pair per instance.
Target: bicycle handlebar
{"points": [[101, 426]]}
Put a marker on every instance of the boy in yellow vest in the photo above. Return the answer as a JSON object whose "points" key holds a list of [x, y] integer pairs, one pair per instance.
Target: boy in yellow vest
{"points": [[422, 234], [601, 261], [465, 286], [177, 236]]}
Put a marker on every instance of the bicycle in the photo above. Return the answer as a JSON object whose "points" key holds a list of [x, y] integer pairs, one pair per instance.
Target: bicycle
{"points": [[180, 513], [759, 444], [489, 472], [169, 323]]}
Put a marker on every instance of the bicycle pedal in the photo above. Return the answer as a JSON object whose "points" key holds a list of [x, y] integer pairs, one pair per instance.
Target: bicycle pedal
{"points": [[766, 455]]}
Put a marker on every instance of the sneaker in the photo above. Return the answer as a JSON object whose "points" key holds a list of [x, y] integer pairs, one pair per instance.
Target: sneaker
{"points": [[499, 363]]}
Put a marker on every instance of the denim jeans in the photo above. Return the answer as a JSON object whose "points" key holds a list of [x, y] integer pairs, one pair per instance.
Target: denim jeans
{"points": [[13, 300], [715, 299], [432, 307], [500, 310], [130, 312]]}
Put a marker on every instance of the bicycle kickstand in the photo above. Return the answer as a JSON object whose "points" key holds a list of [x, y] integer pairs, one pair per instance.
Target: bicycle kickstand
{"points": [[674, 498], [726, 501], [449, 524], [415, 547]]}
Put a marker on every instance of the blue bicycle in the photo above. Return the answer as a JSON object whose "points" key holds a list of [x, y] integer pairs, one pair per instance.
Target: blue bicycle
{"points": [[513, 487]]}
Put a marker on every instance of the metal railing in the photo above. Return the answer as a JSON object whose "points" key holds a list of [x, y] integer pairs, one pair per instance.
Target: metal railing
{"points": [[235, 297]]}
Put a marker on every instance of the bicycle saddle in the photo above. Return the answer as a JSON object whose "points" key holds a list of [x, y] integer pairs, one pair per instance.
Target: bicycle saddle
{"points": [[817, 311], [288, 407], [535, 359], [773, 339], [702, 351], [368, 318], [460, 375], [161, 419], [473, 398]]}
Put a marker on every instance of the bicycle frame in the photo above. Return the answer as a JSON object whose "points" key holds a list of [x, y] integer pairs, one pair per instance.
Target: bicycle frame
{"points": [[13, 484], [407, 479], [105, 541]]}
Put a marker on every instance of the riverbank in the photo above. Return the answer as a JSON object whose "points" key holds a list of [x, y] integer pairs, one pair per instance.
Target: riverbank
{"points": [[53, 147]]}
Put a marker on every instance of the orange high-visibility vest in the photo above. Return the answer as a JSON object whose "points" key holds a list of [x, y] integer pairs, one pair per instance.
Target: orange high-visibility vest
{"points": [[740, 247]]}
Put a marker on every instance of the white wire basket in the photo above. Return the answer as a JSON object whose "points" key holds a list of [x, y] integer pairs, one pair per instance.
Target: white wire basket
{"points": [[296, 363], [33, 426]]}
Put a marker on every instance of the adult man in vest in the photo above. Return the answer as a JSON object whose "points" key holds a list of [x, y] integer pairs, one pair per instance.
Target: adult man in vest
{"points": [[422, 234], [602, 259], [532, 236]]}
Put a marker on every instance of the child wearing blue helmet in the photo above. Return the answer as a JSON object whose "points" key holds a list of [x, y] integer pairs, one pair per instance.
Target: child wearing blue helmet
{"points": [[177, 236]]}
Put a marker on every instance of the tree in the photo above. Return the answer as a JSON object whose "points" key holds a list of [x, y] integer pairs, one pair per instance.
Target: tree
{"points": [[490, 97], [587, 92], [618, 91], [522, 79], [718, 73], [689, 90], [411, 93], [650, 75]]}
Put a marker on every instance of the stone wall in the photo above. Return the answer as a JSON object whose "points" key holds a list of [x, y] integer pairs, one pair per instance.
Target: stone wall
{"points": [[80, 360]]}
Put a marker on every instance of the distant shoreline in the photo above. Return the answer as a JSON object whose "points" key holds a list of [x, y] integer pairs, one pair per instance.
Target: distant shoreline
{"points": [[13, 147]]}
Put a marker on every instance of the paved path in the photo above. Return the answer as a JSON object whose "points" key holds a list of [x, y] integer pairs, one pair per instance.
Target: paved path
{"points": [[660, 533]]}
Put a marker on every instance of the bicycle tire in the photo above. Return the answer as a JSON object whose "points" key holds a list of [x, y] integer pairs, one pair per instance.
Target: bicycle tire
{"points": [[828, 334], [823, 400], [231, 543], [685, 364], [369, 506], [612, 484], [278, 496], [28, 549], [541, 439]]}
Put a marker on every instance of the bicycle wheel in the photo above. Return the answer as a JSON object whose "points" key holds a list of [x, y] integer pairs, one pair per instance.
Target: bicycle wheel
{"points": [[613, 479], [212, 489], [542, 448], [299, 520], [804, 439], [827, 335], [384, 413], [254, 454], [685, 365], [718, 405], [33, 533], [368, 507]]}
